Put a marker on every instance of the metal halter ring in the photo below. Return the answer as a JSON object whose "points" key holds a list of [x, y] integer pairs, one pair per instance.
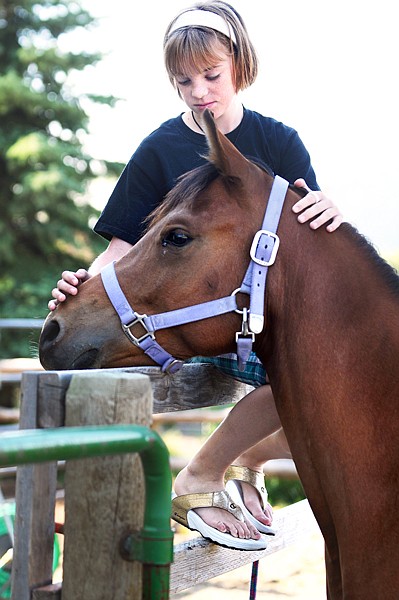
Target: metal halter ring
{"points": [[234, 293]]}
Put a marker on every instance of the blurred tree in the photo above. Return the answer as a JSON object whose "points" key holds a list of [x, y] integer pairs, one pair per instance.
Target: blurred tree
{"points": [[44, 171]]}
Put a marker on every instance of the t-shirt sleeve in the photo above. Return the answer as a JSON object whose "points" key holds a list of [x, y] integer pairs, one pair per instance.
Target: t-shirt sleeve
{"points": [[295, 162], [135, 195]]}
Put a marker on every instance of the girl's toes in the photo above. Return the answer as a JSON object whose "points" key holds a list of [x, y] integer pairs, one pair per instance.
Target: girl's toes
{"points": [[220, 526], [253, 532]]}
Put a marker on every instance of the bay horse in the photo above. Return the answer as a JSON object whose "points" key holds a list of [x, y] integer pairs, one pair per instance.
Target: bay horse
{"points": [[330, 346]]}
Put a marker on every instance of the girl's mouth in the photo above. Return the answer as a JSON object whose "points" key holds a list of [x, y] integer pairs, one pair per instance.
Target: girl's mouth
{"points": [[204, 106]]}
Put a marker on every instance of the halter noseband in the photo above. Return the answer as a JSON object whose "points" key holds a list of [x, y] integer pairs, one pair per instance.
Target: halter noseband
{"points": [[263, 254]]}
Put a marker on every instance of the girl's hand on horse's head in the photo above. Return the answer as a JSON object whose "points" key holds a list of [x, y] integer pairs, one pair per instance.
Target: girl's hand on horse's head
{"points": [[67, 286], [316, 204]]}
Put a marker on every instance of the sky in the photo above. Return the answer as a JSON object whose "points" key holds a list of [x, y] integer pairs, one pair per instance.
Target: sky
{"points": [[328, 69]]}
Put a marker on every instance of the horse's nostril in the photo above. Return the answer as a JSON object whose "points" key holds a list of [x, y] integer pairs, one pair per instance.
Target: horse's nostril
{"points": [[50, 332]]}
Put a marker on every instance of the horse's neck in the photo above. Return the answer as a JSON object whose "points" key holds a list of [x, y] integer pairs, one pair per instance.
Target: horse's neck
{"points": [[327, 299]]}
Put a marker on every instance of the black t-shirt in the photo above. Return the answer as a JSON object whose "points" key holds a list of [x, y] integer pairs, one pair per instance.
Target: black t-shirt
{"points": [[173, 149]]}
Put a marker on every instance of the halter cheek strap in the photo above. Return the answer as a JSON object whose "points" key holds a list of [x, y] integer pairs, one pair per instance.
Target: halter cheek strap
{"points": [[130, 319], [263, 253]]}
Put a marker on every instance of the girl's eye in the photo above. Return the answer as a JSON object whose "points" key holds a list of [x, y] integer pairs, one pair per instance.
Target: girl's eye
{"points": [[176, 238], [185, 82]]}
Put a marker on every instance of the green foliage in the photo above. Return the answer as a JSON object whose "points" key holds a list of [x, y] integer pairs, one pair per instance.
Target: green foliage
{"points": [[44, 172], [283, 492]]}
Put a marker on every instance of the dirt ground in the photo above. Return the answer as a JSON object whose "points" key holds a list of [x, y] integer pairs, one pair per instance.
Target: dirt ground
{"points": [[296, 573]]}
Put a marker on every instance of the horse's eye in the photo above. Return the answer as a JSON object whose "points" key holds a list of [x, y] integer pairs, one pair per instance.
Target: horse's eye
{"points": [[176, 238]]}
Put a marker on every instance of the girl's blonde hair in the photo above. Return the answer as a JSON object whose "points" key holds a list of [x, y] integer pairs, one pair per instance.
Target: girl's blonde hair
{"points": [[195, 46]]}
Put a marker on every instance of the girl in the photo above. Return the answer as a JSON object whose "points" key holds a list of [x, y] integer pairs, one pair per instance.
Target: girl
{"points": [[210, 59]]}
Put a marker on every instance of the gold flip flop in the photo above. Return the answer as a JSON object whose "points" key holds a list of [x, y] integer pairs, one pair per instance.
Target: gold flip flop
{"points": [[234, 475], [183, 511]]}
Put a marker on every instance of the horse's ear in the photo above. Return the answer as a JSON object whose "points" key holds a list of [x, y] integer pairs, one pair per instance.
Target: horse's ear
{"points": [[222, 153]]}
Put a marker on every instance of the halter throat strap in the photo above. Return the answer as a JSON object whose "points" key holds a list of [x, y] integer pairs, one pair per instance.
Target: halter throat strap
{"points": [[263, 253]]}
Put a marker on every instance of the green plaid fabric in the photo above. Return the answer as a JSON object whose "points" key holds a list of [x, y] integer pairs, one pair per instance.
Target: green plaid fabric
{"points": [[254, 373]]}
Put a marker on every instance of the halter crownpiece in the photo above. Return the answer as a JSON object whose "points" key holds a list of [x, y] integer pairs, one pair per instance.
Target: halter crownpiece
{"points": [[203, 18]]}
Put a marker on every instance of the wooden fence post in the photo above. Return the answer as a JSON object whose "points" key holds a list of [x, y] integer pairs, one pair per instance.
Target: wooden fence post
{"points": [[35, 498], [104, 497]]}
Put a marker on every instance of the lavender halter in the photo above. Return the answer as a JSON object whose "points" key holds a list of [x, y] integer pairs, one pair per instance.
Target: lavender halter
{"points": [[263, 254]]}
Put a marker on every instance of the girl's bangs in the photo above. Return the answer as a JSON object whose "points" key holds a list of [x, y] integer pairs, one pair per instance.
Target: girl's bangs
{"points": [[193, 50]]}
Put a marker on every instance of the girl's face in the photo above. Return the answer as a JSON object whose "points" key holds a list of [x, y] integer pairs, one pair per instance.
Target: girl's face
{"points": [[212, 88]]}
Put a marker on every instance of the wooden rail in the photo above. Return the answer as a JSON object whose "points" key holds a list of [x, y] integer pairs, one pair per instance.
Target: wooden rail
{"points": [[49, 400], [11, 370], [21, 323]]}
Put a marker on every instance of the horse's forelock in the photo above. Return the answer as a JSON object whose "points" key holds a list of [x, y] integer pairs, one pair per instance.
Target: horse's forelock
{"points": [[187, 190]]}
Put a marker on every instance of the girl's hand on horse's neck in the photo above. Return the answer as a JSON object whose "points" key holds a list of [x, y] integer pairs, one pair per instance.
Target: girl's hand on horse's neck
{"points": [[226, 122]]}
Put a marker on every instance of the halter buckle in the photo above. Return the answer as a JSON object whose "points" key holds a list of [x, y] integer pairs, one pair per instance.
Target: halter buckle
{"points": [[244, 341], [245, 332], [255, 244], [139, 320]]}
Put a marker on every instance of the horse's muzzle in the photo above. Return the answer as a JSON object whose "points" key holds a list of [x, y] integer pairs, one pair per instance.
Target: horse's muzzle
{"points": [[56, 353]]}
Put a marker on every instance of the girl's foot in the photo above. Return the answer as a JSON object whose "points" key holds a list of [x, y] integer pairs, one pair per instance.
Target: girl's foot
{"points": [[189, 483]]}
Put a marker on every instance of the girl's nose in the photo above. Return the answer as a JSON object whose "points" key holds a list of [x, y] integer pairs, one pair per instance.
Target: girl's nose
{"points": [[199, 90]]}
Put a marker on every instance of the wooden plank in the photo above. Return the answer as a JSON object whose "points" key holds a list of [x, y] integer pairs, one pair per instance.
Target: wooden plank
{"points": [[281, 468], [284, 468], [9, 415], [198, 560], [19, 365], [193, 415], [104, 497], [48, 592], [194, 386]]}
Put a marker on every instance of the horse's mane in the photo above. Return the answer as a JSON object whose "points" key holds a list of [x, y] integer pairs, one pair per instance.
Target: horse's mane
{"points": [[388, 273], [189, 186]]}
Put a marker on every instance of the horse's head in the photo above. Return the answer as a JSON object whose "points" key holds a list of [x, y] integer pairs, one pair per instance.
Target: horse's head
{"points": [[196, 249]]}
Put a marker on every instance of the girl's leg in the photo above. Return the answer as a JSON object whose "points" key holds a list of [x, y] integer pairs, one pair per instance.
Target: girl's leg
{"points": [[249, 422], [272, 447]]}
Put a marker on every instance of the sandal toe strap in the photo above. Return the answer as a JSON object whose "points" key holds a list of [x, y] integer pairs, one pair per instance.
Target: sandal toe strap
{"points": [[182, 504], [254, 478]]}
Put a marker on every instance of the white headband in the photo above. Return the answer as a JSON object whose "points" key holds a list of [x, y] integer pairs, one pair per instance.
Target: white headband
{"points": [[204, 18]]}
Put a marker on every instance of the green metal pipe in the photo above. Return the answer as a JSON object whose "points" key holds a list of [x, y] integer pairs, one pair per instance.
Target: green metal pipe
{"points": [[153, 546]]}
